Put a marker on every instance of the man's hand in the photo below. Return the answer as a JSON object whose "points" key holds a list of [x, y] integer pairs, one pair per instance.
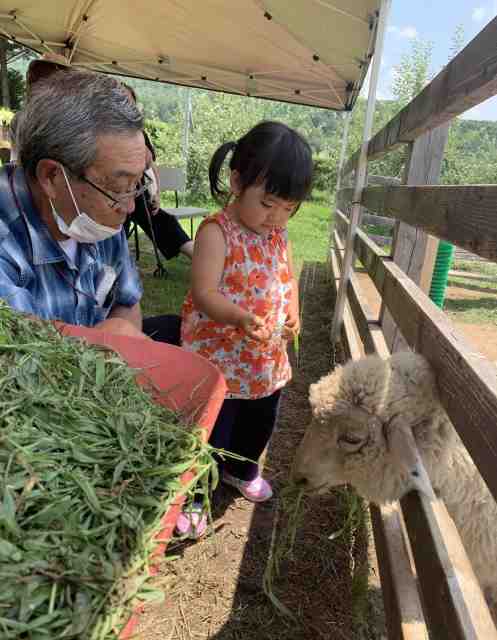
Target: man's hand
{"points": [[121, 327]]}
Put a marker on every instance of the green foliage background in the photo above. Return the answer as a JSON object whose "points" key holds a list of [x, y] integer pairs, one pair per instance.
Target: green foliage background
{"points": [[470, 155]]}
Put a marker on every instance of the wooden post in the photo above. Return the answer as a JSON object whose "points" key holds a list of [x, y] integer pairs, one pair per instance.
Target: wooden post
{"points": [[414, 250], [361, 173]]}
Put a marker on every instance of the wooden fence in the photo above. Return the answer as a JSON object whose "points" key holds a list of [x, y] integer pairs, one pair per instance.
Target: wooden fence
{"points": [[428, 585]]}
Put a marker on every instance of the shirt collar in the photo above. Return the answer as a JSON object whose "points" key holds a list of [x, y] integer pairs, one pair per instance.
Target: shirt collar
{"points": [[45, 248]]}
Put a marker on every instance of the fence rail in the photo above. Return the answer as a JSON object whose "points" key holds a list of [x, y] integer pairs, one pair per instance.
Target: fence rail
{"points": [[468, 80], [453, 602], [465, 216]]}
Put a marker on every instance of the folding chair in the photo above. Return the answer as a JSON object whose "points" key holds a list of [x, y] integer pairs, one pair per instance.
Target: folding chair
{"points": [[175, 180]]}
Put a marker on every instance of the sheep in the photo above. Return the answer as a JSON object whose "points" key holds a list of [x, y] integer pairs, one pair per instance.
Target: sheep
{"points": [[362, 415]]}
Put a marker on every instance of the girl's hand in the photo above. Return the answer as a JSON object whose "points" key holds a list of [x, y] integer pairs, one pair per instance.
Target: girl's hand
{"points": [[254, 327], [292, 327]]}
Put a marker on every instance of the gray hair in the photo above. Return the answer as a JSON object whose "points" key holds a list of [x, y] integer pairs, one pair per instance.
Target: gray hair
{"points": [[66, 113]]}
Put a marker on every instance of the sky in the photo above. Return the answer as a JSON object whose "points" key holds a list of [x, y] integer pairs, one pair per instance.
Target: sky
{"points": [[434, 21]]}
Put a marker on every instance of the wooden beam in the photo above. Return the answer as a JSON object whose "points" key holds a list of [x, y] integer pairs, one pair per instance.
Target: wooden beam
{"points": [[463, 215], [413, 250], [469, 275], [383, 180], [360, 177], [367, 322], [468, 80], [368, 218], [340, 215], [348, 334], [403, 610], [381, 241], [341, 223], [454, 603], [467, 381], [461, 254]]}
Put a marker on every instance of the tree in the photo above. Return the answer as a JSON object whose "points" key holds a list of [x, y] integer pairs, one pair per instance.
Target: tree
{"points": [[4, 73], [11, 81], [457, 42], [412, 73]]}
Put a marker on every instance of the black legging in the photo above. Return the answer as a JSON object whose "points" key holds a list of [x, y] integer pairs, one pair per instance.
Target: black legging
{"points": [[169, 234], [245, 427], [163, 329]]}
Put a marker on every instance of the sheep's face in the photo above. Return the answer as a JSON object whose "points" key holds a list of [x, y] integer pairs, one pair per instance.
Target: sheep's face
{"points": [[351, 446], [371, 422], [335, 446]]}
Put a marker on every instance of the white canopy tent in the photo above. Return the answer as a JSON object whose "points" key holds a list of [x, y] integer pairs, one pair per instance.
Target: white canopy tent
{"points": [[313, 52]]}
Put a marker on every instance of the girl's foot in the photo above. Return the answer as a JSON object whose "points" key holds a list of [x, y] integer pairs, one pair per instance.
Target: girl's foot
{"points": [[256, 490], [192, 523]]}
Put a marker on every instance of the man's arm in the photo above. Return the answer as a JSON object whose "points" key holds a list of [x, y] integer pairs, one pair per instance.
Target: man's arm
{"points": [[15, 295], [207, 270], [131, 314], [124, 321], [126, 307]]}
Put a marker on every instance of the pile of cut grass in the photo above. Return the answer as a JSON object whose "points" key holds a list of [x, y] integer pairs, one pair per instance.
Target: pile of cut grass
{"points": [[89, 465]]}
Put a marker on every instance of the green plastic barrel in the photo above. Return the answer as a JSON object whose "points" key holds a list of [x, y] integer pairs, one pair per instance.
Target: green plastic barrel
{"points": [[443, 264]]}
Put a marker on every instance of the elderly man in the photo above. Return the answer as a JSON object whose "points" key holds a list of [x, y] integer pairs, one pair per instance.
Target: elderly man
{"points": [[63, 251]]}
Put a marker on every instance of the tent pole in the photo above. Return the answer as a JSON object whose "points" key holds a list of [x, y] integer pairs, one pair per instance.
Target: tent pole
{"points": [[347, 117], [361, 173], [186, 128], [345, 138]]}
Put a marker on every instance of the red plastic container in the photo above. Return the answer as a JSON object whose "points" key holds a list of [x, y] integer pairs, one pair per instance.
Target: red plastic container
{"points": [[184, 382]]}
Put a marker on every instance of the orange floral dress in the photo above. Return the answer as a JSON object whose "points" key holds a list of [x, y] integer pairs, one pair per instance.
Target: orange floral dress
{"points": [[256, 277]]}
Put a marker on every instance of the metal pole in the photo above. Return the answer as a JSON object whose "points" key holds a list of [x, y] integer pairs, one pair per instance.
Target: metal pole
{"points": [[186, 128], [361, 173], [345, 137]]}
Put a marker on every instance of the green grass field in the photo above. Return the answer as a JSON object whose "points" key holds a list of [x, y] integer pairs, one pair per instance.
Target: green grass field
{"points": [[309, 234], [478, 301], [308, 231]]}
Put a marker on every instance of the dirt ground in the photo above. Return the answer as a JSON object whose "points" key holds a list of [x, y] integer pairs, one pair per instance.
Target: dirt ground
{"points": [[213, 588], [482, 336]]}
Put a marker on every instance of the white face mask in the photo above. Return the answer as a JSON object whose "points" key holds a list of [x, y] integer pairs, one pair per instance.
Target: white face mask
{"points": [[82, 227]]}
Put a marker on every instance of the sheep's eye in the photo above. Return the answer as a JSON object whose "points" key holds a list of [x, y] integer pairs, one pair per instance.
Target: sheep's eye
{"points": [[350, 443]]}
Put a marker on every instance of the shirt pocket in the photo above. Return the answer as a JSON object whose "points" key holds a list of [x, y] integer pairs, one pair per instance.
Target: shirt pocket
{"points": [[106, 283]]}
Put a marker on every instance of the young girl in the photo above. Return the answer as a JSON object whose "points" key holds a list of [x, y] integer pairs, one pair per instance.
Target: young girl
{"points": [[243, 303]]}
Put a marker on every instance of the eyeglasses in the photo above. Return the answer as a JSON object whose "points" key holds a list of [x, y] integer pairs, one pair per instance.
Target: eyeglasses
{"points": [[118, 200]]}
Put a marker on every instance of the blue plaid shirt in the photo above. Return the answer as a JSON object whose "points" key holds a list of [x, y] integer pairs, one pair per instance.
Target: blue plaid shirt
{"points": [[37, 277]]}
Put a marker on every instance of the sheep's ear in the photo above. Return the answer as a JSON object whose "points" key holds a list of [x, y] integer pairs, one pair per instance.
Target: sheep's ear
{"points": [[406, 457], [323, 396]]}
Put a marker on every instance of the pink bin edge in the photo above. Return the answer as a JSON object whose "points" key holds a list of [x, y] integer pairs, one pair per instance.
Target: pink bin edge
{"points": [[194, 386]]}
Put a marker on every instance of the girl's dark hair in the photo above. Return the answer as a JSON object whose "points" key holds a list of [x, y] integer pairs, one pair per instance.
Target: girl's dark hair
{"points": [[271, 153]]}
